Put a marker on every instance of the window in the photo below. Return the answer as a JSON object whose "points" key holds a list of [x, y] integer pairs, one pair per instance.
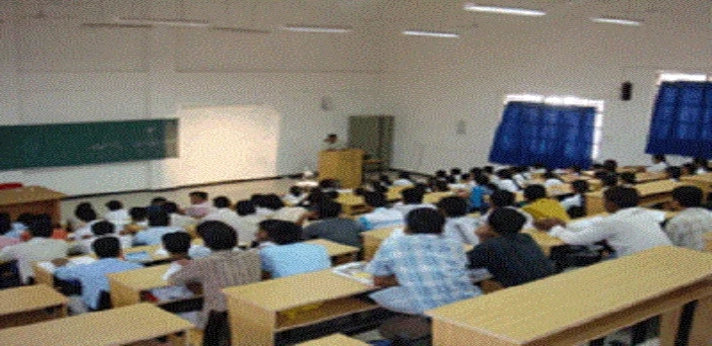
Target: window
{"points": [[556, 131], [682, 118]]}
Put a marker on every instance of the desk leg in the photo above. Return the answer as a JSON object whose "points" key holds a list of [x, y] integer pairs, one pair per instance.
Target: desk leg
{"points": [[250, 325], [669, 325], [701, 333]]}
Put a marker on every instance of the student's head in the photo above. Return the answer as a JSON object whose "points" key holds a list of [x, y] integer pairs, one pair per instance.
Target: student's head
{"points": [[441, 173], [5, 223], [506, 221], [534, 192], [176, 243], [576, 169], [550, 175], [453, 206], [295, 190], [441, 186], [86, 215], [619, 197], [384, 178], [482, 180], [701, 162], [158, 218], [504, 174], [170, 207], [281, 232], [197, 197], [689, 168], [580, 186], [114, 205], [673, 172], [103, 228], [424, 220], [502, 198], [455, 171], [628, 178], [609, 180], [466, 177], [329, 209], [404, 175], [659, 158], [610, 165], [25, 218], [412, 196], [272, 201], [488, 169], [40, 226], [331, 138], [221, 202], [245, 207], [138, 214], [687, 196], [158, 201], [374, 199], [475, 171], [106, 247], [257, 199], [217, 235], [83, 206]]}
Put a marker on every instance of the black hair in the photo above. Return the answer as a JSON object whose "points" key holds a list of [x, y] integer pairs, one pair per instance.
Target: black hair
{"points": [[551, 175], [702, 162], [504, 174], [103, 228], [158, 218], [199, 194], [404, 175], [488, 169], [580, 186], [385, 179], [295, 190], [86, 215], [83, 206], [674, 172], [329, 209], [623, 197], [610, 165], [106, 247], [40, 226], [502, 198], [158, 201], [138, 213], [659, 157], [455, 171], [441, 186], [412, 196], [25, 218], [272, 201], [628, 178], [245, 207], [441, 173], [453, 206], [170, 207], [506, 221], [534, 192], [5, 223], [609, 180], [176, 242], [374, 199], [377, 187], [217, 235], [282, 232], [425, 220], [688, 196], [221, 202], [114, 205]]}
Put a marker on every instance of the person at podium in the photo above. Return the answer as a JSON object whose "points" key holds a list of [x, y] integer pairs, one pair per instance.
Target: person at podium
{"points": [[332, 142]]}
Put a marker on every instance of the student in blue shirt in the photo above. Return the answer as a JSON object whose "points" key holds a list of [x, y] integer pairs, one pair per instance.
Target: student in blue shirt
{"points": [[288, 256], [380, 215], [92, 276], [158, 225]]}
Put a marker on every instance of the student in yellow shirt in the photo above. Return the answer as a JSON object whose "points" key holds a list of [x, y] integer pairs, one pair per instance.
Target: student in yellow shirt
{"points": [[539, 206]]}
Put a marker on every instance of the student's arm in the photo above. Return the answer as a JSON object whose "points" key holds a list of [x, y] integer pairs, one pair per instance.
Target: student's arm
{"points": [[381, 266], [585, 236], [191, 272], [478, 257], [63, 272]]}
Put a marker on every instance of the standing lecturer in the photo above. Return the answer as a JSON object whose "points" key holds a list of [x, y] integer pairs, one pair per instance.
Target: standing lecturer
{"points": [[332, 142]]}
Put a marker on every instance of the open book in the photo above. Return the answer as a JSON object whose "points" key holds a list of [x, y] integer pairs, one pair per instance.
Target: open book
{"points": [[355, 271]]}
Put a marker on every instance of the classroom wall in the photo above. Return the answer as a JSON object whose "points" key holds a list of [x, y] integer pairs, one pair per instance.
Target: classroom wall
{"points": [[52, 70], [432, 84]]}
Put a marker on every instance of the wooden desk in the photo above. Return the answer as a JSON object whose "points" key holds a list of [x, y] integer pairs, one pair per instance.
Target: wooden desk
{"points": [[587, 303], [31, 199], [703, 181], [646, 177], [551, 191], [545, 241], [30, 304], [334, 340], [256, 307], [435, 197], [650, 194], [125, 287], [339, 253], [110, 327]]}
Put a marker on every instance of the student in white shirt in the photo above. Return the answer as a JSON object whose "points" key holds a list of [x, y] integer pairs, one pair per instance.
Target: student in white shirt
{"points": [[702, 165], [117, 214], [505, 181], [458, 226], [659, 164], [89, 218], [222, 212], [552, 179], [628, 229], [295, 196], [380, 216], [412, 199], [101, 229], [199, 205], [177, 219], [674, 173], [576, 205], [248, 221], [403, 180], [688, 227]]}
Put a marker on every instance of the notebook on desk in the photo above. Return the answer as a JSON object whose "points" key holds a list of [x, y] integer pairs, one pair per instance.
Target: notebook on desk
{"points": [[138, 257]]}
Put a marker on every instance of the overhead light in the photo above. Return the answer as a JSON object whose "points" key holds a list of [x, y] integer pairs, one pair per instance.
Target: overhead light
{"points": [[431, 33], [163, 21], [239, 30], [321, 29], [504, 10], [618, 21]]}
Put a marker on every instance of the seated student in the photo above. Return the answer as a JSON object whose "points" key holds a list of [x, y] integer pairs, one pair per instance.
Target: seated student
{"points": [[248, 221], [479, 192], [88, 217], [610, 166], [177, 219], [199, 205], [412, 199], [674, 173], [92, 276], [222, 212], [403, 180], [295, 196], [512, 257], [576, 205], [659, 164], [458, 226], [505, 181], [552, 179], [441, 175], [225, 267], [385, 180], [117, 214], [156, 204], [262, 207], [39, 248], [288, 256], [379, 215], [280, 211], [688, 227], [628, 179], [539, 206], [420, 270], [139, 219], [505, 199], [177, 244], [99, 230], [5, 227], [520, 176], [76, 222], [157, 227], [629, 229], [608, 180], [455, 175], [333, 227], [702, 164]]}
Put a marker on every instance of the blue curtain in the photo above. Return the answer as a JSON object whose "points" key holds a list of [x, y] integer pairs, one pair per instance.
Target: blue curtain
{"points": [[682, 120], [557, 136]]}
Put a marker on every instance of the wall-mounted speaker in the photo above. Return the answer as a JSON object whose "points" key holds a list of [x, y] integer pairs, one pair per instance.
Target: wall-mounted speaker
{"points": [[626, 91]]}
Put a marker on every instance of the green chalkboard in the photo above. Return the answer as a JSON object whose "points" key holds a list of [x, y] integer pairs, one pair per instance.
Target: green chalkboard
{"points": [[74, 144]]}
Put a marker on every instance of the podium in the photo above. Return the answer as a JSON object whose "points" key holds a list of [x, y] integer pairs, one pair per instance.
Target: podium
{"points": [[31, 199], [346, 166]]}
